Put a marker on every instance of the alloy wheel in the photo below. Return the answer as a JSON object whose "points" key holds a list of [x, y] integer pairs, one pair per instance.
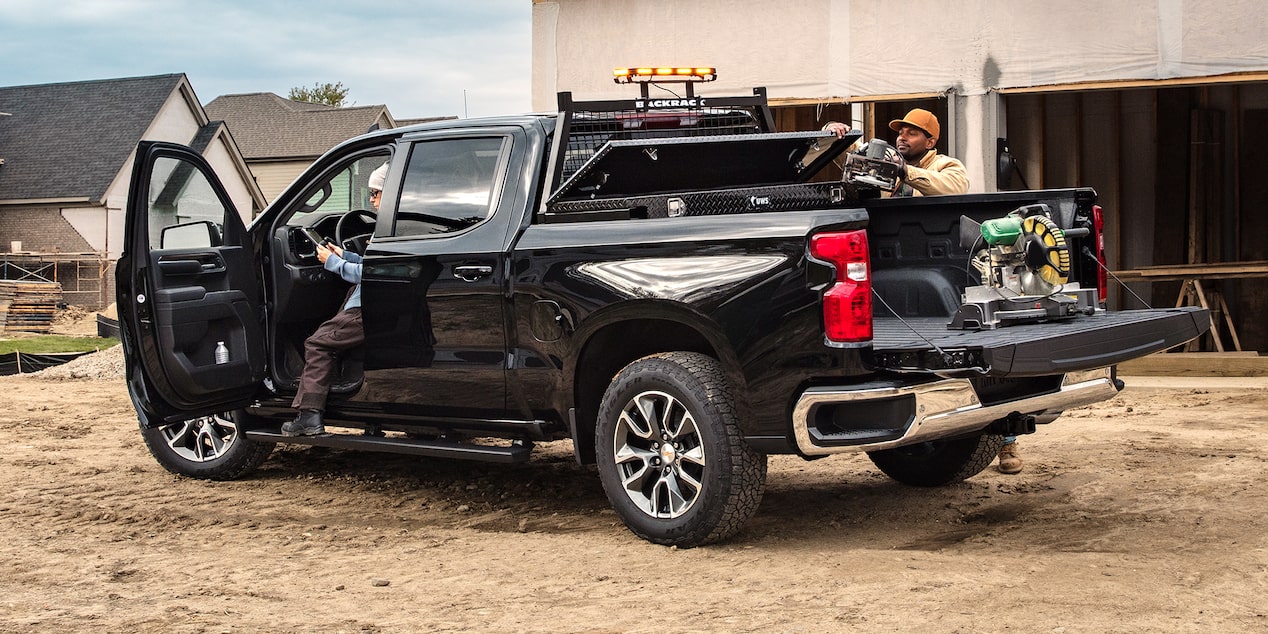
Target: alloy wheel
{"points": [[659, 455], [201, 439]]}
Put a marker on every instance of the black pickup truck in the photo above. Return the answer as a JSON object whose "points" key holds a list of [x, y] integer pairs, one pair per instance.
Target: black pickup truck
{"points": [[679, 306]]}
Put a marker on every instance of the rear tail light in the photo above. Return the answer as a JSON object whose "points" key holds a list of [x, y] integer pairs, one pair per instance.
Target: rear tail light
{"points": [[847, 304], [1098, 241]]}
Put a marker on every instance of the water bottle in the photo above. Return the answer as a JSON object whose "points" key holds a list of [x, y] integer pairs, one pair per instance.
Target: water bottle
{"points": [[222, 353]]}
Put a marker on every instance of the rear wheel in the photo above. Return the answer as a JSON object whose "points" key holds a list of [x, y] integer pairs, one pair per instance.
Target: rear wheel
{"points": [[671, 456], [206, 447], [938, 462]]}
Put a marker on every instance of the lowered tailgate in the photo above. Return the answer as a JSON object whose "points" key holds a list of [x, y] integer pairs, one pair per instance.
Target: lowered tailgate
{"points": [[1106, 338]]}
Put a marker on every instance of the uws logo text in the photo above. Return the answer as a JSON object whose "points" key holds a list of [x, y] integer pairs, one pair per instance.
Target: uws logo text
{"points": [[694, 102]]}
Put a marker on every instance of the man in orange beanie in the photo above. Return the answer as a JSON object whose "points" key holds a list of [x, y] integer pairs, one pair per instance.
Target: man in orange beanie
{"points": [[925, 172]]}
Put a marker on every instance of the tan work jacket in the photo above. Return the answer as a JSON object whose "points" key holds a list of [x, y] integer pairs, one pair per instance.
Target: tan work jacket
{"points": [[937, 174]]}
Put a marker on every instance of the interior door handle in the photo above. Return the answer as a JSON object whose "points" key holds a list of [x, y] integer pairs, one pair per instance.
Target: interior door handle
{"points": [[191, 265], [472, 272]]}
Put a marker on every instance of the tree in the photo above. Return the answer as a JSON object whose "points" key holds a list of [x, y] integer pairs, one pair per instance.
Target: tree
{"points": [[330, 94]]}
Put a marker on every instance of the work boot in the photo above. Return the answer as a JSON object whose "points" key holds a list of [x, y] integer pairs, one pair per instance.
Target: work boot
{"points": [[1009, 461], [307, 423]]}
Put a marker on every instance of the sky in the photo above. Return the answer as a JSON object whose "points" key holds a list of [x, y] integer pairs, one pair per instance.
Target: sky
{"points": [[420, 58]]}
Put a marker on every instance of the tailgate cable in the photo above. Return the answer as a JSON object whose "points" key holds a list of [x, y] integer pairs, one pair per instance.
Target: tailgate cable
{"points": [[946, 358], [1088, 252]]}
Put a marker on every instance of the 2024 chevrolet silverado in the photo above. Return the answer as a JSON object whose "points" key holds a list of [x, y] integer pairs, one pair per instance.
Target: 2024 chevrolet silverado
{"points": [[679, 306]]}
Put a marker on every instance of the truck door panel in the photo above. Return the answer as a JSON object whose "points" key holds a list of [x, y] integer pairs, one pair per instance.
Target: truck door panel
{"points": [[432, 290], [187, 285]]}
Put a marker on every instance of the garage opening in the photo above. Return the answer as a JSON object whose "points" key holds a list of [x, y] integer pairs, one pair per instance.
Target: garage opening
{"points": [[1179, 170]]}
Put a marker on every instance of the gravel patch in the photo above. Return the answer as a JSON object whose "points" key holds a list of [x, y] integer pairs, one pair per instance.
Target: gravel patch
{"points": [[104, 365]]}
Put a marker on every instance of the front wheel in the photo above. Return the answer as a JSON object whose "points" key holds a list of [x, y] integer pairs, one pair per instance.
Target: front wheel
{"points": [[206, 447], [671, 456], [938, 462]]}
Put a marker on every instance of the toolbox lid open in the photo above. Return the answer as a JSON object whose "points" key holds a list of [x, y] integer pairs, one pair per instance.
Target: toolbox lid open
{"points": [[650, 166]]}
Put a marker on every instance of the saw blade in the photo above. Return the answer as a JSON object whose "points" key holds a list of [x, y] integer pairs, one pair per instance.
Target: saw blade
{"points": [[1047, 253]]}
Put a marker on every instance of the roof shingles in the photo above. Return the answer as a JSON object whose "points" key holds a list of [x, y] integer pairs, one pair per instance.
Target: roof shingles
{"points": [[70, 140], [267, 126]]}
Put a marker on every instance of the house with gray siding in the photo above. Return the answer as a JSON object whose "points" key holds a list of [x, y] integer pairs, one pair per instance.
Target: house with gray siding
{"points": [[281, 137]]}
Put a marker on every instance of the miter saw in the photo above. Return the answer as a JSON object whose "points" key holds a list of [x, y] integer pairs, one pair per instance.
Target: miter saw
{"points": [[1024, 260]]}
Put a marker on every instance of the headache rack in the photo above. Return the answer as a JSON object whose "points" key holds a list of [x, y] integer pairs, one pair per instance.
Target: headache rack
{"points": [[588, 125]]}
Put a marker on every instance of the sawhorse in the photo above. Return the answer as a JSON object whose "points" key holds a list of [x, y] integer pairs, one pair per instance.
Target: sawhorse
{"points": [[1192, 294]]}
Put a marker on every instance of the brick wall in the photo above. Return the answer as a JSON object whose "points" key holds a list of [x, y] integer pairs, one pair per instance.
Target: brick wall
{"points": [[43, 230]]}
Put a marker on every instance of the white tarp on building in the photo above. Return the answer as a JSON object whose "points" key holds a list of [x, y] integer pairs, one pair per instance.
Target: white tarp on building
{"points": [[843, 48]]}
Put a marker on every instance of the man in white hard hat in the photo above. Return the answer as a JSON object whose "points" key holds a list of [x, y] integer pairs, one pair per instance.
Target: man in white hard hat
{"points": [[344, 331]]}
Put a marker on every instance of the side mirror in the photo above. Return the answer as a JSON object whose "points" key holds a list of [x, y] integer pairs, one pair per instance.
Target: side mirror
{"points": [[191, 235]]}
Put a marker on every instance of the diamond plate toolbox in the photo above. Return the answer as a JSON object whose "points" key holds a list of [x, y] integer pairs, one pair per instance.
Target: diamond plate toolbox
{"points": [[794, 197]]}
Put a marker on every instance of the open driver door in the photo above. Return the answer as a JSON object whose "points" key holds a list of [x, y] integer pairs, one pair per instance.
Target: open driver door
{"points": [[188, 291]]}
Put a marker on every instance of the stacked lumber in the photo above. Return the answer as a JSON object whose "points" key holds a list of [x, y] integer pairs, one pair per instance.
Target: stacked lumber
{"points": [[28, 306]]}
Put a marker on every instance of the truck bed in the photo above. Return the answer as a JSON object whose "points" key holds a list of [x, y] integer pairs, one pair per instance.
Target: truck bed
{"points": [[1082, 343]]}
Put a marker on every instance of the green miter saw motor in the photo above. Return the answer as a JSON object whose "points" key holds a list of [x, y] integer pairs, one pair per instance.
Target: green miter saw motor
{"points": [[1024, 261]]}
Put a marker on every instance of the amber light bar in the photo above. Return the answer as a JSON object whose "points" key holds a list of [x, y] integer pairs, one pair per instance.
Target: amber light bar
{"points": [[664, 73]]}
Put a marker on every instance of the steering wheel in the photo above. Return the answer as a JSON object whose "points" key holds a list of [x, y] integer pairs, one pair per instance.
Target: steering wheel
{"points": [[349, 237]]}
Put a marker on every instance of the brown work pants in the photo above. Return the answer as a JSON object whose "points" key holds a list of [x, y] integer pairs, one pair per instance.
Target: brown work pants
{"points": [[341, 332]]}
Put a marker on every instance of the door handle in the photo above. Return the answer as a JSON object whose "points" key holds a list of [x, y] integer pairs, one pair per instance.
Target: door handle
{"points": [[191, 265], [472, 272]]}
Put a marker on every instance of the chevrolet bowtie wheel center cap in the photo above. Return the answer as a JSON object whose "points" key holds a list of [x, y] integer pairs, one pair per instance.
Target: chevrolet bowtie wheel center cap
{"points": [[667, 454]]}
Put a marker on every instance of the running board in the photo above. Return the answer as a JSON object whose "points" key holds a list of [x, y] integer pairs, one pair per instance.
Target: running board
{"points": [[517, 452]]}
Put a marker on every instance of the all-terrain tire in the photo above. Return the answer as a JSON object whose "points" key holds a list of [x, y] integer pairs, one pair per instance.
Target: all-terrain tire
{"points": [[206, 447], [671, 456], [938, 462]]}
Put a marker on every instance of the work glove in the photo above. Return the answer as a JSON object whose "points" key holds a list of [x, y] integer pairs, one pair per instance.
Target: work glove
{"points": [[897, 159]]}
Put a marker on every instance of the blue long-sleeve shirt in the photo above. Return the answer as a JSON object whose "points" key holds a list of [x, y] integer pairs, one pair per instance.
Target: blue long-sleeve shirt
{"points": [[349, 268]]}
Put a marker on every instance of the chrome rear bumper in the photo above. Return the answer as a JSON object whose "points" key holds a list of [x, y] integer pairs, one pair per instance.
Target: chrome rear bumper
{"points": [[941, 409]]}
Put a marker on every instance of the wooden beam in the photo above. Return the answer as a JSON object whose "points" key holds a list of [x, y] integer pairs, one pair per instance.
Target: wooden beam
{"points": [[1078, 134], [910, 96], [1232, 78], [1197, 364], [807, 101], [1217, 270]]}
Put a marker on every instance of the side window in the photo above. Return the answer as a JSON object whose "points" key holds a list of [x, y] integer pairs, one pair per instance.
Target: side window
{"points": [[345, 190], [180, 194], [448, 186]]}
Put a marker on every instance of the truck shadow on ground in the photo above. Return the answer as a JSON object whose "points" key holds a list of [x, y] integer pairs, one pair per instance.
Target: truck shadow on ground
{"points": [[553, 494]]}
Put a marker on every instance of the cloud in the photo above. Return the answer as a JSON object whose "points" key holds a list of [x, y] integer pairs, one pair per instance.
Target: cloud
{"points": [[415, 57]]}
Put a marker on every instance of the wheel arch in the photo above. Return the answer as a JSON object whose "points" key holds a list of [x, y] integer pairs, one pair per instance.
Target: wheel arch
{"points": [[616, 344]]}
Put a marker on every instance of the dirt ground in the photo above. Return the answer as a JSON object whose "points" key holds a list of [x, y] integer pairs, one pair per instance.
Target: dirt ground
{"points": [[1145, 513]]}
